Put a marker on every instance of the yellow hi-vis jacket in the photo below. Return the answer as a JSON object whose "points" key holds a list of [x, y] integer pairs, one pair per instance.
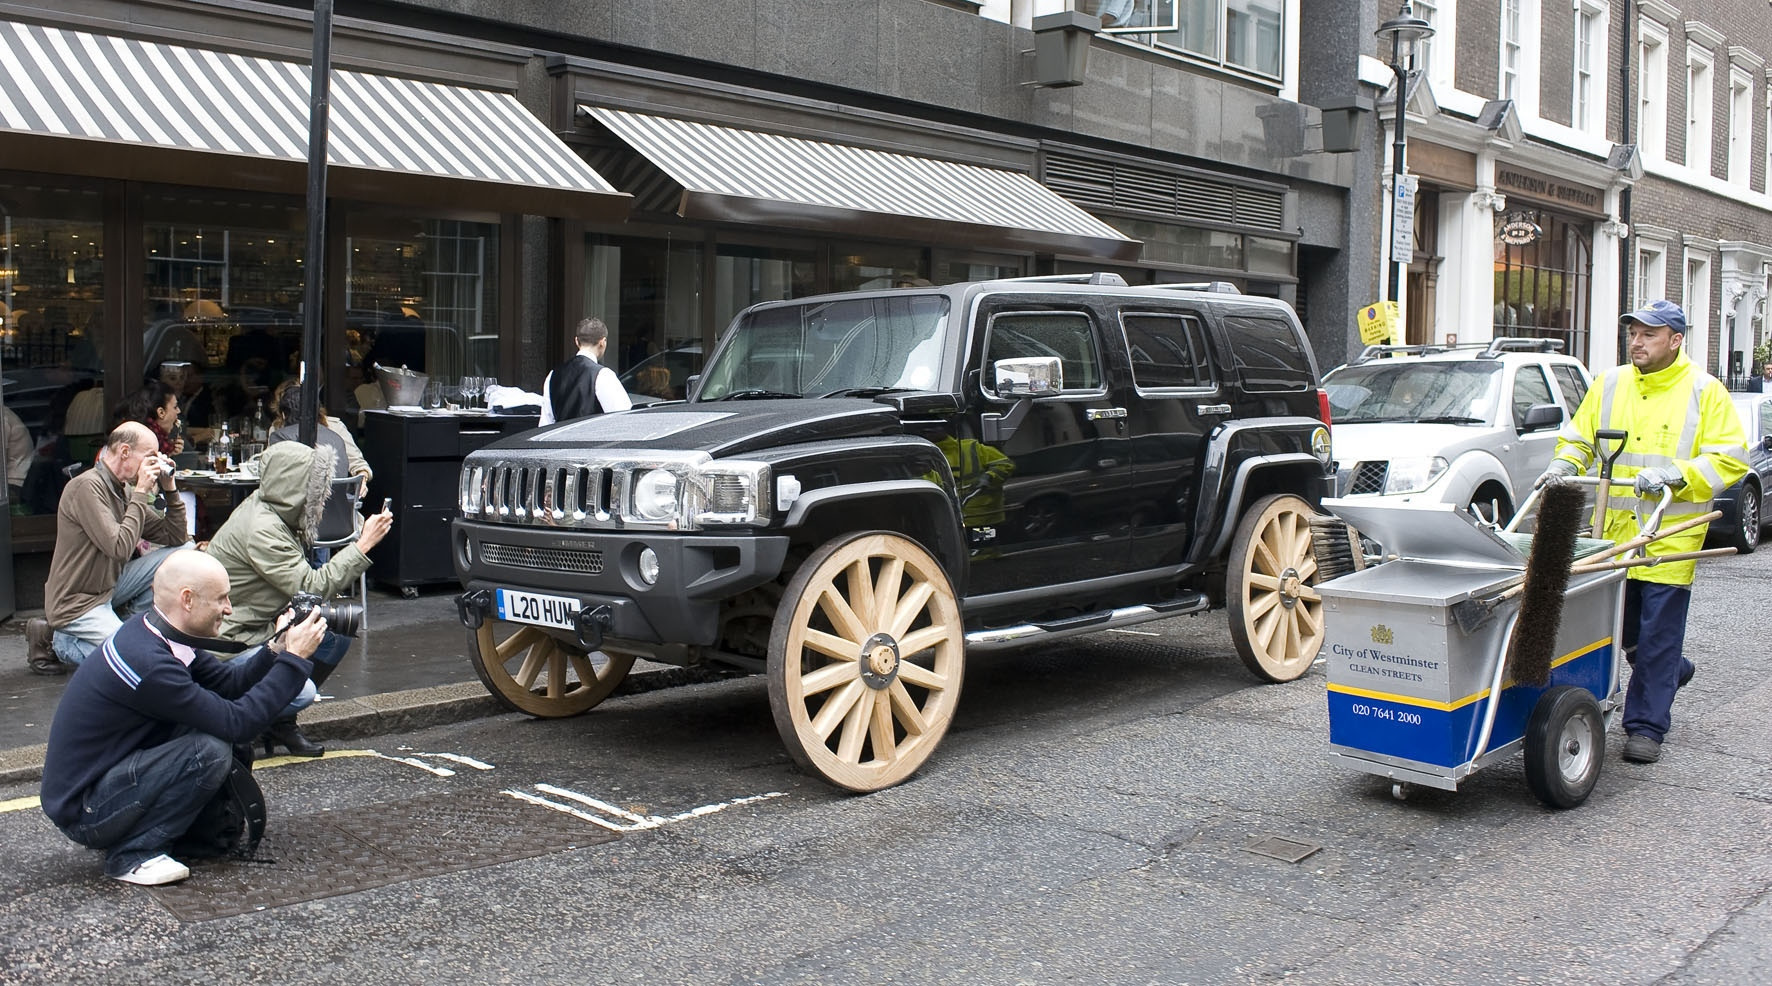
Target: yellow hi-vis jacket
{"points": [[1679, 416], [979, 474]]}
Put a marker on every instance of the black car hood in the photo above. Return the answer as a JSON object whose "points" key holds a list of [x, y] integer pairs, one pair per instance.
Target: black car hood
{"points": [[719, 428]]}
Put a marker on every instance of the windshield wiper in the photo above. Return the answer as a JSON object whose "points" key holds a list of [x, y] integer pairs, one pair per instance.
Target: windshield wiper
{"points": [[863, 392], [1384, 419], [741, 395], [1451, 419]]}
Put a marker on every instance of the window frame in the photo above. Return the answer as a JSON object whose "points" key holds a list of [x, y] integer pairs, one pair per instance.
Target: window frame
{"points": [[1220, 56], [1651, 273], [987, 379], [1193, 333], [1588, 104], [1652, 44], [1700, 128], [1741, 126]]}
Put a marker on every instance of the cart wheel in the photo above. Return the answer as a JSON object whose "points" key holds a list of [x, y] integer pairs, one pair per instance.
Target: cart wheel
{"points": [[865, 660], [529, 671], [1565, 741], [1276, 614]]}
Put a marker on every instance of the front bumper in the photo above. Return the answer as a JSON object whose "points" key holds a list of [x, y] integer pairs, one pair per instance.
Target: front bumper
{"points": [[601, 568]]}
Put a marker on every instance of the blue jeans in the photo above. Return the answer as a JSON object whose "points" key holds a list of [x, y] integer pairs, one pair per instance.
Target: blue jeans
{"points": [[133, 593], [1655, 629], [142, 805]]}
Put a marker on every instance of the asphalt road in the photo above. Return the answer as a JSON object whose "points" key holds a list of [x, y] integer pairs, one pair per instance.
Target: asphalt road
{"points": [[1085, 821]]}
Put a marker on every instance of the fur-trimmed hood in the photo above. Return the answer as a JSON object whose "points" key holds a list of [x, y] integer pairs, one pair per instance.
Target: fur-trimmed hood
{"points": [[294, 482]]}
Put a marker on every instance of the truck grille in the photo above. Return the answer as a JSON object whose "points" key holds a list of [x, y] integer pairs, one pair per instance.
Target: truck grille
{"points": [[580, 561], [540, 494], [1367, 477]]}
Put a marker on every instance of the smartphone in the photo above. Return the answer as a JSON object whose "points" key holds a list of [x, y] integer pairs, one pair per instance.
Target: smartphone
{"points": [[387, 504]]}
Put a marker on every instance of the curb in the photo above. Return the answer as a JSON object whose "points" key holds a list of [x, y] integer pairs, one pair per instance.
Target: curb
{"points": [[390, 712]]}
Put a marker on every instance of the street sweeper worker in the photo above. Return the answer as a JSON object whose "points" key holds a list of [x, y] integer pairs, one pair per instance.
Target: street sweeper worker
{"points": [[1684, 435]]}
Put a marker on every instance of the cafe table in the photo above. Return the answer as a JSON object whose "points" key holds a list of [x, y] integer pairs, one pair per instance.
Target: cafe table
{"points": [[219, 494]]}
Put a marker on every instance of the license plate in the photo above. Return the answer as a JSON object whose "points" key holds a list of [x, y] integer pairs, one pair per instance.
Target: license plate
{"points": [[532, 607]]}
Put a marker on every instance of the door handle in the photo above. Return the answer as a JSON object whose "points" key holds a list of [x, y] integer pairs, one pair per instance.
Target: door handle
{"points": [[1212, 409], [1101, 413]]}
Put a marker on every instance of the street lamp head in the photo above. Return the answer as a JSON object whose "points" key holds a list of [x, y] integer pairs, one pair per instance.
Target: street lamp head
{"points": [[1404, 32]]}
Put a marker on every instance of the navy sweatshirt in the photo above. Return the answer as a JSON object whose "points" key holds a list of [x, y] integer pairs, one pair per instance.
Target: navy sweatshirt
{"points": [[135, 692]]}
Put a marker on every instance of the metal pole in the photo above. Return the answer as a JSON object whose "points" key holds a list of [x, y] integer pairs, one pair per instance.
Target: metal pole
{"points": [[314, 284], [1395, 293]]}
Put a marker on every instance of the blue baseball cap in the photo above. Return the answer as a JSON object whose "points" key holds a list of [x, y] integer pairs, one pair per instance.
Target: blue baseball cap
{"points": [[1659, 313]]}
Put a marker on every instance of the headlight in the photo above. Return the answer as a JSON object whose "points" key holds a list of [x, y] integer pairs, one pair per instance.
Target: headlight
{"points": [[1413, 475], [655, 495], [730, 492]]}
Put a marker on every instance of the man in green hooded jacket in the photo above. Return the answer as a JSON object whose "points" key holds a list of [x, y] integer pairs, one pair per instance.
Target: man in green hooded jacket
{"points": [[264, 546]]}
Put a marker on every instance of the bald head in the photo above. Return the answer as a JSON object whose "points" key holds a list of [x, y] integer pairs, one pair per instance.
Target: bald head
{"points": [[133, 434], [191, 591], [125, 448]]}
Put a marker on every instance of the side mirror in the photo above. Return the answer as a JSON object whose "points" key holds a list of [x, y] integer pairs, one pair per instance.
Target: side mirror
{"points": [[1028, 376], [1766, 443], [1541, 416], [1023, 378], [690, 384]]}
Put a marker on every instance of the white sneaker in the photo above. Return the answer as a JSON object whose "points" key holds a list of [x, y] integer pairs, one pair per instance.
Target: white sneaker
{"points": [[154, 872]]}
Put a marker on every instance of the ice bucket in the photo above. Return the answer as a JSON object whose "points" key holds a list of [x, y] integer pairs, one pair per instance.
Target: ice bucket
{"points": [[401, 387]]}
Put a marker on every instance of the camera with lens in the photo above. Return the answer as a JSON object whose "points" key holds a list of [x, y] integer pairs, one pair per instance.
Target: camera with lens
{"points": [[344, 619]]}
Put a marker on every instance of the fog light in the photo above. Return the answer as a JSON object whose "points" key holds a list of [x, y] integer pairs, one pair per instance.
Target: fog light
{"points": [[648, 566]]}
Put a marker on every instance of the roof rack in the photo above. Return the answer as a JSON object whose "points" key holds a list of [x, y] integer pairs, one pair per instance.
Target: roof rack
{"points": [[1107, 277], [1522, 344], [1216, 287]]}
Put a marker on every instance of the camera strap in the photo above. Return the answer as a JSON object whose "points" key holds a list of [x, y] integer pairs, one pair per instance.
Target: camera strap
{"points": [[172, 633]]}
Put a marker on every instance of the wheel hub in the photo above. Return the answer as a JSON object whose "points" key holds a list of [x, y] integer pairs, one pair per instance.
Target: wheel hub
{"points": [[1290, 584], [879, 660]]}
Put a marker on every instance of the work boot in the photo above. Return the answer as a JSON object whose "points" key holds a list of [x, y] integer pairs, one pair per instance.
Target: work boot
{"points": [[1641, 749], [40, 649], [1686, 677]]}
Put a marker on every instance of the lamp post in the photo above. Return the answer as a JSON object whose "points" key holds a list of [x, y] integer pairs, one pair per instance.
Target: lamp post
{"points": [[1404, 32]]}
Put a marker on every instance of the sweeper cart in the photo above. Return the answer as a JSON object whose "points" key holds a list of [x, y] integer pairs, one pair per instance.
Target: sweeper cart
{"points": [[1443, 659]]}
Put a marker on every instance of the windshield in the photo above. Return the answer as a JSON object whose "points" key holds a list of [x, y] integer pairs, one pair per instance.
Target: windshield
{"points": [[1394, 390], [832, 347]]}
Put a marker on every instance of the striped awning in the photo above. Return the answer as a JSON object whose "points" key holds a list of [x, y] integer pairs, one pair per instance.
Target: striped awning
{"points": [[76, 102], [748, 176]]}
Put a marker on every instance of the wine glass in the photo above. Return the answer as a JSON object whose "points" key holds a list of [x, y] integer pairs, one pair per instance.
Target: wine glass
{"points": [[470, 389]]}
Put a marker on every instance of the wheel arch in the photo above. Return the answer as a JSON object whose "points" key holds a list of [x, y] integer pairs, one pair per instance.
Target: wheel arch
{"points": [[1297, 473], [918, 510]]}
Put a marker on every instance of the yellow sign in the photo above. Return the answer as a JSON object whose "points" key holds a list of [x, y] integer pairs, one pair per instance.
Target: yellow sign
{"points": [[1378, 322]]}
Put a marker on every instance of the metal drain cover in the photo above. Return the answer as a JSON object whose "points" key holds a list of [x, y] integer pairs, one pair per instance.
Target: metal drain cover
{"points": [[341, 852], [1285, 850]]}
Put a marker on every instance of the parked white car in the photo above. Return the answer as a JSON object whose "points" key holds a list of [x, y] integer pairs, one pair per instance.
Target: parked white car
{"points": [[1470, 425]]}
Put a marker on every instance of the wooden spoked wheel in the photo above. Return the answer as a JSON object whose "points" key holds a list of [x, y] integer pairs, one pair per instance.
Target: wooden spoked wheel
{"points": [[865, 660], [529, 671], [1275, 612]]}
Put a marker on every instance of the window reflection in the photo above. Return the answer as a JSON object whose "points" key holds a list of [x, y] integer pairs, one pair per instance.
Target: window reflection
{"points": [[649, 293], [51, 318]]}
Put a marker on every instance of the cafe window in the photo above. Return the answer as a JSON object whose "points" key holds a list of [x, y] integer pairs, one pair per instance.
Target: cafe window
{"points": [[745, 275], [649, 292], [421, 293], [51, 347], [869, 268], [222, 283]]}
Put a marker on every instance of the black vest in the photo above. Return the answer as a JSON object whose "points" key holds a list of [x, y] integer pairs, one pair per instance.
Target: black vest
{"points": [[573, 390]]}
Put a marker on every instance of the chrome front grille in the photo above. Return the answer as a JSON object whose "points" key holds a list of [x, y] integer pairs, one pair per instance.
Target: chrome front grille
{"points": [[579, 561], [1368, 477], [541, 494]]}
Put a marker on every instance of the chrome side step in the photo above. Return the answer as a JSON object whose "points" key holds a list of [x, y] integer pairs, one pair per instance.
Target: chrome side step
{"points": [[979, 641]]}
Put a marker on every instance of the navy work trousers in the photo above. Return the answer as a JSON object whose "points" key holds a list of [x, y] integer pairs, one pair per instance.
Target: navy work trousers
{"points": [[1655, 631]]}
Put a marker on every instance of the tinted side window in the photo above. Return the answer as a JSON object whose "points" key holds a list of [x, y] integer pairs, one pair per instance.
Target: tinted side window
{"points": [[1066, 335], [1530, 387], [1167, 351], [1269, 354], [1765, 420], [1574, 387]]}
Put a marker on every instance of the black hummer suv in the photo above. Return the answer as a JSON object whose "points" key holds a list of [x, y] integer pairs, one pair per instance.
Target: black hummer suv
{"points": [[863, 488]]}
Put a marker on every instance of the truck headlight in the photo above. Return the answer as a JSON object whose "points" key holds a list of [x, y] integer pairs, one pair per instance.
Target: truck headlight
{"points": [[1414, 474], [655, 495], [730, 492]]}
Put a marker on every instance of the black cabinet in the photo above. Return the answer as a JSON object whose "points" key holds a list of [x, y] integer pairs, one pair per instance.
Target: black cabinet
{"points": [[417, 462]]}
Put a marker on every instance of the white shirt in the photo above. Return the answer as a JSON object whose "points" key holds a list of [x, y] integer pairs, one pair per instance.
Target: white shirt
{"points": [[610, 395]]}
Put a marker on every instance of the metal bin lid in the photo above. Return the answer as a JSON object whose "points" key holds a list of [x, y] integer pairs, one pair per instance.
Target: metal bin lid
{"points": [[1429, 531]]}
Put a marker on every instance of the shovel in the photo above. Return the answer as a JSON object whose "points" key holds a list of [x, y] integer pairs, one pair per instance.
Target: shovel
{"points": [[1604, 495]]}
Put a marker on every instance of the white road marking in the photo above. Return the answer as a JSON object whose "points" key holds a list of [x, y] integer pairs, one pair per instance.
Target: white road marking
{"points": [[635, 822], [415, 762], [458, 758]]}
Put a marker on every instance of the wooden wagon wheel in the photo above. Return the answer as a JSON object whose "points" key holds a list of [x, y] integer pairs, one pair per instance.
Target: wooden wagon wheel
{"points": [[529, 671], [866, 660], [1276, 614]]}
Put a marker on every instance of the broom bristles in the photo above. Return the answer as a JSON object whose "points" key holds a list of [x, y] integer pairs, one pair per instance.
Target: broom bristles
{"points": [[1547, 581]]}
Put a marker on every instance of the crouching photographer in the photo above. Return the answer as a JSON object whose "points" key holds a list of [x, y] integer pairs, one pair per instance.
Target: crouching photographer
{"points": [[264, 547], [144, 737]]}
